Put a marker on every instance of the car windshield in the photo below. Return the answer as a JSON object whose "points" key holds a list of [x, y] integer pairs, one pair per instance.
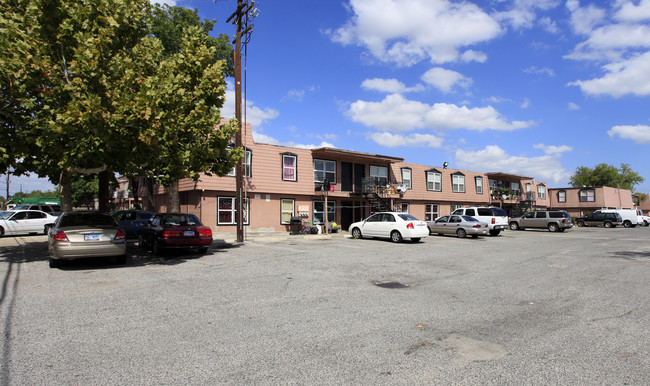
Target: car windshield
{"points": [[470, 218], [21, 207], [179, 220], [408, 217], [5, 215], [91, 219]]}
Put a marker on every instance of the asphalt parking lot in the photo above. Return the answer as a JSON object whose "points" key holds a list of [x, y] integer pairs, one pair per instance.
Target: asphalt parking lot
{"points": [[529, 307]]}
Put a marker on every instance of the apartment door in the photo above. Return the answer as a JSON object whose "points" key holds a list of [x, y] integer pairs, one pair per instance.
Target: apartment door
{"points": [[346, 177], [350, 212], [359, 174]]}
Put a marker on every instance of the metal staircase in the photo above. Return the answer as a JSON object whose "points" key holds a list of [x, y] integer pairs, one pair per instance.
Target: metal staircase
{"points": [[377, 204]]}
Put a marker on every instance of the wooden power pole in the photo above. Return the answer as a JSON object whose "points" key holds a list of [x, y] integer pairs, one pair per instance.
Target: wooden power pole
{"points": [[240, 18]]}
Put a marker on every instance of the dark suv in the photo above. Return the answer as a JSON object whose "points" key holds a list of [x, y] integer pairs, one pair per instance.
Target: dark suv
{"points": [[608, 220], [553, 220]]}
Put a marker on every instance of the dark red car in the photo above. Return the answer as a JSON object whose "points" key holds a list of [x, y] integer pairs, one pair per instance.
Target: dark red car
{"points": [[174, 230]]}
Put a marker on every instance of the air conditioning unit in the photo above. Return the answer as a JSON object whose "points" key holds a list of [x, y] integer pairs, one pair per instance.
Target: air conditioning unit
{"points": [[401, 188]]}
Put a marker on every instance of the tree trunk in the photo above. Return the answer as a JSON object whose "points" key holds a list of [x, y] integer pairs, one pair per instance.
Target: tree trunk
{"points": [[133, 188], [65, 181], [151, 205], [104, 191], [173, 199]]}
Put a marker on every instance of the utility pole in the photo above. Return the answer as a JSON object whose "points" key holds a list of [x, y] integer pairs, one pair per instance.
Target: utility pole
{"points": [[240, 18]]}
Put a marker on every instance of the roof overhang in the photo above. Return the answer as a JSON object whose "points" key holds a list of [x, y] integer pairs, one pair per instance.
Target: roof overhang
{"points": [[506, 176], [330, 152]]}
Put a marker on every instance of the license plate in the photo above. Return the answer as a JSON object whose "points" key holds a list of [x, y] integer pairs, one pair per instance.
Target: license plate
{"points": [[94, 237], [188, 233]]}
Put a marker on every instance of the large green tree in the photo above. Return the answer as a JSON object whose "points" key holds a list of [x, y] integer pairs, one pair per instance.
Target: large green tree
{"points": [[606, 175]]}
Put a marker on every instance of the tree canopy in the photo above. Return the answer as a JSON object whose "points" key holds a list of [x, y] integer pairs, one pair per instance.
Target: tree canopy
{"points": [[606, 175], [104, 86]]}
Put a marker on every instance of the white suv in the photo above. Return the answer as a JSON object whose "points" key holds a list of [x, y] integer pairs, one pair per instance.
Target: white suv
{"points": [[496, 218]]}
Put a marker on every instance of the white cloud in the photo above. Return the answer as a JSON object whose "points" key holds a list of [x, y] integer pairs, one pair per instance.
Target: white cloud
{"points": [[445, 80], [626, 77], [525, 104], [473, 56], [171, 3], [396, 113], [639, 133], [540, 71], [522, 13], [256, 116], [263, 138], [584, 19], [413, 140], [553, 149], [634, 12], [406, 32], [546, 168], [573, 106], [389, 85]]}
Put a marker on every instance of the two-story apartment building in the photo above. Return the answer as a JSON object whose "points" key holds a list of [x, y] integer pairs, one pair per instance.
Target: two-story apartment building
{"points": [[580, 201], [282, 182], [517, 194]]}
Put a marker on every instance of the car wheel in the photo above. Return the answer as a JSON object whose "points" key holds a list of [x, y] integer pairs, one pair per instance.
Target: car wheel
{"points": [[430, 233], [356, 233], [608, 224], [461, 233], [494, 232], [514, 226], [157, 248], [54, 263], [645, 223], [580, 223], [120, 259], [415, 239], [553, 227], [2, 231], [395, 236], [627, 223], [46, 229]]}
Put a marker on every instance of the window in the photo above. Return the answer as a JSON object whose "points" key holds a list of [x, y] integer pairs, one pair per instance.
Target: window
{"points": [[540, 215], [528, 187], [434, 180], [405, 207], [324, 170], [227, 211], [430, 212], [479, 185], [541, 192], [458, 183], [406, 177], [514, 186], [561, 196], [286, 207], [289, 165], [380, 173], [248, 157], [319, 212], [587, 195]]}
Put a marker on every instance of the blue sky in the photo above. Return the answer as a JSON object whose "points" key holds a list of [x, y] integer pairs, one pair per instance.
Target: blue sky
{"points": [[531, 87]]}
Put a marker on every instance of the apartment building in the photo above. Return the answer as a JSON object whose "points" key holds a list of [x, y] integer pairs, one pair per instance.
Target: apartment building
{"points": [[282, 183], [517, 194], [580, 201]]}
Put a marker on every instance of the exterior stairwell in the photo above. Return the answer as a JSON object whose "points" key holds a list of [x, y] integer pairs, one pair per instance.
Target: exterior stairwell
{"points": [[377, 203]]}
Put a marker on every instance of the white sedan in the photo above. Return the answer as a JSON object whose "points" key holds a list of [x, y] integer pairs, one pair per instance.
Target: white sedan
{"points": [[16, 222], [390, 225]]}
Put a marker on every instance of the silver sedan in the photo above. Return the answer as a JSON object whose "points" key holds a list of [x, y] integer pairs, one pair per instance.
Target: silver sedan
{"points": [[461, 226], [86, 234]]}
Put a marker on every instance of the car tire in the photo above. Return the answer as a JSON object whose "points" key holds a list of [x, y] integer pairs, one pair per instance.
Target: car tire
{"points": [[54, 263], [356, 233], [580, 223], [157, 248], [395, 236], [461, 233], [608, 224], [415, 239], [46, 229], [494, 232], [514, 226], [552, 227], [2, 231], [645, 223], [141, 243], [627, 223], [430, 233]]}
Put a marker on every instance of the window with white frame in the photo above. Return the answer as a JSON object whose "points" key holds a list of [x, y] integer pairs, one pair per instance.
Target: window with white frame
{"points": [[479, 185], [431, 212], [458, 183], [434, 180], [248, 157], [587, 195], [380, 173], [404, 207], [514, 186], [561, 196], [406, 177], [541, 192], [287, 207], [289, 167], [319, 212], [227, 211], [324, 170]]}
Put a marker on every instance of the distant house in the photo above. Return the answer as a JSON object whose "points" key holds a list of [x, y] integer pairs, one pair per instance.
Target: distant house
{"points": [[580, 201]]}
